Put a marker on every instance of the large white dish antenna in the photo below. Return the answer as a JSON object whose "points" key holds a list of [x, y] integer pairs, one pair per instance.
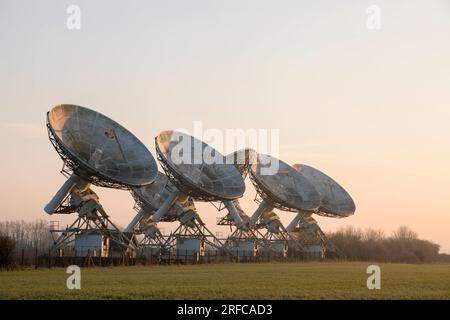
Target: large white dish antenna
{"points": [[285, 189], [336, 202], [197, 170], [98, 150]]}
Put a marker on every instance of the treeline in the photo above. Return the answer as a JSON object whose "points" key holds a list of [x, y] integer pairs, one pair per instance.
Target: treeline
{"points": [[352, 244], [27, 235], [23, 238], [403, 245]]}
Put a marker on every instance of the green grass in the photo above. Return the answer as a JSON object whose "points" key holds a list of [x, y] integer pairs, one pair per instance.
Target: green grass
{"points": [[312, 280]]}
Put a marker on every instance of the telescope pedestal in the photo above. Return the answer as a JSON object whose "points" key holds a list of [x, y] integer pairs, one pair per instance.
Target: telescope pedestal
{"points": [[152, 242], [244, 242], [192, 235], [276, 243], [92, 221]]}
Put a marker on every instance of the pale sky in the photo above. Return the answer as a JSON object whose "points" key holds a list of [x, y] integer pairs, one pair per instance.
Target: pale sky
{"points": [[369, 107]]}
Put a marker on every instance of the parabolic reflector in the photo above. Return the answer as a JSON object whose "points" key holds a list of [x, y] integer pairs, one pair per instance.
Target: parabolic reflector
{"points": [[99, 149], [336, 202], [197, 169], [285, 189]]}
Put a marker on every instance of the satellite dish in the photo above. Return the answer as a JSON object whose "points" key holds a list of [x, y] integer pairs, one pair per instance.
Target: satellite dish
{"points": [[98, 150], [285, 188], [336, 202], [197, 170]]}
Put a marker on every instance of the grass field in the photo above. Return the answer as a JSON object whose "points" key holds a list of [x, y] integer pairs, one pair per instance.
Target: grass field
{"points": [[313, 280]]}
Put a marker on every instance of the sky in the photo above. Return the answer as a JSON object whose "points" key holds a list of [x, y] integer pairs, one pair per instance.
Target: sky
{"points": [[369, 107]]}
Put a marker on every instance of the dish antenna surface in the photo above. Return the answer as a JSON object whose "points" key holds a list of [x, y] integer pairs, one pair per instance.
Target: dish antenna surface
{"points": [[98, 150], [336, 202], [285, 188], [197, 170]]}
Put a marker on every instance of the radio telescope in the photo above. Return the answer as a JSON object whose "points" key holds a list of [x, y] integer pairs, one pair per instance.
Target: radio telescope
{"points": [[95, 150], [286, 190], [197, 171], [191, 228], [335, 203]]}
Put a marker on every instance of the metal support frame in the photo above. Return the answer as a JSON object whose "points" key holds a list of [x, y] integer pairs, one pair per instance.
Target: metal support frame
{"points": [[244, 235], [94, 221], [299, 237], [224, 221], [84, 225], [194, 229], [157, 241], [322, 238], [272, 237]]}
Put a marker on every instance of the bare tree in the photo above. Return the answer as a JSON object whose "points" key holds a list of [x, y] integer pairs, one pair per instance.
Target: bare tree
{"points": [[405, 233]]}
